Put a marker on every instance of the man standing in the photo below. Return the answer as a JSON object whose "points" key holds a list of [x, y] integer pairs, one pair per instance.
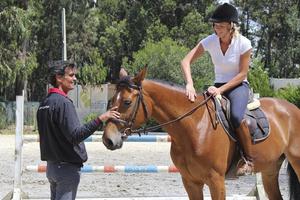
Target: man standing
{"points": [[61, 135]]}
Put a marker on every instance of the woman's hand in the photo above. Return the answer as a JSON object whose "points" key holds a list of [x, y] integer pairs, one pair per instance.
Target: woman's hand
{"points": [[190, 92], [110, 114], [214, 90]]}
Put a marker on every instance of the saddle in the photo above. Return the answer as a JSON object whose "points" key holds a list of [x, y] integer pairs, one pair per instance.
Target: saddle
{"points": [[257, 121]]}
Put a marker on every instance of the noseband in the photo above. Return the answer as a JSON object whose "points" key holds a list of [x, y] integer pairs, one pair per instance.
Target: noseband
{"points": [[128, 123]]}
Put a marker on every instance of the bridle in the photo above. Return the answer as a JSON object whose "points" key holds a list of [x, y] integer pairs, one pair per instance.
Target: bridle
{"points": [[128, 123]]}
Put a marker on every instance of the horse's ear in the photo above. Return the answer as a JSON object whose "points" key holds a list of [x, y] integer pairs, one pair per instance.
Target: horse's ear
{"points": [[140, 76]]}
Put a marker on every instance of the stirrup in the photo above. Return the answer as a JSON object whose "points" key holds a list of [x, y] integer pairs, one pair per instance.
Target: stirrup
{"points": [[244, 167]]}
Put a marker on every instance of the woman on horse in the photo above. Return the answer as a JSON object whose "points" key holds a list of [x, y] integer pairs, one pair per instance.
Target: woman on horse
{"points": [[230, 53]]}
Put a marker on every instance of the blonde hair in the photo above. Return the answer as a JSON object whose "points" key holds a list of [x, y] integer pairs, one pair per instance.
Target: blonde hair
{"points": [[235, 29]]}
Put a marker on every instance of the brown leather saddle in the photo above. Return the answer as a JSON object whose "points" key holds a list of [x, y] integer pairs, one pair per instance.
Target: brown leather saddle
{"points": [[257, 121]]}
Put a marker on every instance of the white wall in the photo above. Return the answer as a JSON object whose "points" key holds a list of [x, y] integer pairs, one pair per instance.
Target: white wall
{"points": [[278, 83]]}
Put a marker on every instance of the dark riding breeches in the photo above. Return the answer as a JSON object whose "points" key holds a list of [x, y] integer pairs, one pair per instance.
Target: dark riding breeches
{"points": [[238, 97]]}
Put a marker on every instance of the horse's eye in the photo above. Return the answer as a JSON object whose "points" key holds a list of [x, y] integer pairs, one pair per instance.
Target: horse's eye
{"points": [[127, 102]]}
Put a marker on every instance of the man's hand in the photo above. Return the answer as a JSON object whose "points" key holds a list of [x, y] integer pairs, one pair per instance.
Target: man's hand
{"points": [[110, 114]]}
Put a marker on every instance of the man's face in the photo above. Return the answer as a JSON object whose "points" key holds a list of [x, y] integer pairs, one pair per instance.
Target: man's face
{"points": [[67, 81]]}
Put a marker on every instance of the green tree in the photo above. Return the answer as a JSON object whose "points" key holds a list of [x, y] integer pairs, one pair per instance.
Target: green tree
{"points": [[163, 60], [275, 26], [93, 73], [17, 57], [259, 79], [156, 32], [192, 29], [99, 38], [290, 93]]}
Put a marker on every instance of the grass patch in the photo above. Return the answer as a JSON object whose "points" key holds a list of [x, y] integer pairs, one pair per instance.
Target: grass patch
{"points": [[11, 130]]}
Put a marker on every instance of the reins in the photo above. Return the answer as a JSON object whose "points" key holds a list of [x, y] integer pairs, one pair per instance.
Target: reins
{"points": [[153, 128], [128, 124]]}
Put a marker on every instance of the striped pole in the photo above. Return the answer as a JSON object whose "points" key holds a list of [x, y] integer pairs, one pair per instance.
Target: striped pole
{"points": [[98, 138], [113, 169], [206, 197]]}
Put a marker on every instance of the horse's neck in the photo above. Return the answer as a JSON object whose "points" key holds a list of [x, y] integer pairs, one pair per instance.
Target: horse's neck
{"points": [[169, 103]]}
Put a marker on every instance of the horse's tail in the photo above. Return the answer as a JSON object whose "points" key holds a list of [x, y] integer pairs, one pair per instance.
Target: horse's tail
{"points": [[294, 183]]}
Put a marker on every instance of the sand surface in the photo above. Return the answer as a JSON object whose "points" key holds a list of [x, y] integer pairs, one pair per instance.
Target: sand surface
{"points": [[114, 184]]}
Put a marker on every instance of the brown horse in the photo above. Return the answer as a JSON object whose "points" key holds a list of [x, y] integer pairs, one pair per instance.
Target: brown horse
{"points": [[203, 153]]}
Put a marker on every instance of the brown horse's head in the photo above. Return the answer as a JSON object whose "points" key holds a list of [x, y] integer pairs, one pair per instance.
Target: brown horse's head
{"points": [[132, 106]]}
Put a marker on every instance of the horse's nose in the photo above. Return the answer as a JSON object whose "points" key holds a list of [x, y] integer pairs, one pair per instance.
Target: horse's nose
{"points": [[112, 143]]}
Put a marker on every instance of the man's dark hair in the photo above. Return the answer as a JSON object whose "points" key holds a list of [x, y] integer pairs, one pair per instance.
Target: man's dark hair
{"points": [[58, 68]]}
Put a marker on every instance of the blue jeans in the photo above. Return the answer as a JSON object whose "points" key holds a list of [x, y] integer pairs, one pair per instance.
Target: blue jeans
{"points": [[238, 97], [64, 179]]}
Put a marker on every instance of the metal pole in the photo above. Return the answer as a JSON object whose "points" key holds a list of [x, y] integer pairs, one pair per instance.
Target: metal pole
{"points": [[17, 193], [63, 23], [94, 2]]}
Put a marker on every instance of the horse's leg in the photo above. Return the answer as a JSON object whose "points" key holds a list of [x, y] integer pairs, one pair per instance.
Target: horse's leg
{"points": [[194, 190], [293, 154], [294, 176], [270, 180], [216, 184]]}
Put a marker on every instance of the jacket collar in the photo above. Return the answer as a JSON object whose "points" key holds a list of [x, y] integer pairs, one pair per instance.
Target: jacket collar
{"points": [[58, 91]]}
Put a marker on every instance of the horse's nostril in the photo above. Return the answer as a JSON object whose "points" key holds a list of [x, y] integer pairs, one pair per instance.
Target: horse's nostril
{"points": [[109, 142]]}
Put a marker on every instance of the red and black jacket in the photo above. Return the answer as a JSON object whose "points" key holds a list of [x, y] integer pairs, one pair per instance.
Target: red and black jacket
{"points": [[61, 135]]}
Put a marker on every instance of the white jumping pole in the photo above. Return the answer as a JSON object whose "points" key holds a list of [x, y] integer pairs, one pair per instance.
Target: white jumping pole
{"points": [[17, 192]]}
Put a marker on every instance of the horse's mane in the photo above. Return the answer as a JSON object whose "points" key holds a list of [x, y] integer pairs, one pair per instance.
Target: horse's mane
{"points": [[127, 80], [168, 83]]}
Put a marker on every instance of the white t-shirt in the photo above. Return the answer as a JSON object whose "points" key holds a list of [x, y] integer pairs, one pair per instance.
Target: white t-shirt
{"points": [[226, 66]]}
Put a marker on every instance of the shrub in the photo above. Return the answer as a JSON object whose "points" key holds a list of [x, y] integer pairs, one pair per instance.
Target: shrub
{"points": [[259, 80], [290, 93], [3, 118], [90, 117]]}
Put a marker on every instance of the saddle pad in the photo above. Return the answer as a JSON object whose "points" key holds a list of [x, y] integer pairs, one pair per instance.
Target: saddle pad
{"points": [[257, 123]]}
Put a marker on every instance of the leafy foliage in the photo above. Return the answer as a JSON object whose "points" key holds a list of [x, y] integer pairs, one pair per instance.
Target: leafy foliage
{"points": [[163, 61], [90, 117], [159, 33], [3, 117], [259, 80], [192, 29], [275, 26], [16, 60], [93, 73], [291, 94]]}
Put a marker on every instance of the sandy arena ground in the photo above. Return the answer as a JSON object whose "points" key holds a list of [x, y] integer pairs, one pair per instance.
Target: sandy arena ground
{"points": [[112, 185]]}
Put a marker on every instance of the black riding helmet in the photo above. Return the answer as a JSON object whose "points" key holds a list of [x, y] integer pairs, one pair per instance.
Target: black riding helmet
{"points": [[225, 13], [58, 68]]}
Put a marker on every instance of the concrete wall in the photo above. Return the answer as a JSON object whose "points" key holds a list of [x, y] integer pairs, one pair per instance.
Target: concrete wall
{"points": [[91, 99], [278, 83]]}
